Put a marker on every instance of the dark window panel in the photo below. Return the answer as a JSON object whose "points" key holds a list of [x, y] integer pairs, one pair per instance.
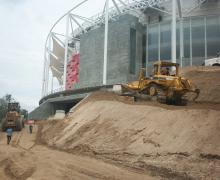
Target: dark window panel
{"points": [[198, 40], [213, 35], [153, 42], [132, 50]]}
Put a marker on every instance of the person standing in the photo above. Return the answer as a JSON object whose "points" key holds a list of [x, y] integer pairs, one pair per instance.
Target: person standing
{"points": [[30, 128], [9, 133]]}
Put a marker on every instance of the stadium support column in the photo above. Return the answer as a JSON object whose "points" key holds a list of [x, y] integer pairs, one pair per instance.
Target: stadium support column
{"points": [[105, 44], [52, 84], [44, 79], [190, 38], [181, 42], [46, 68], [147, 54], [174, 31], [66, 51], [47, 73], [205, 22], [179, 5], [159, 59]]}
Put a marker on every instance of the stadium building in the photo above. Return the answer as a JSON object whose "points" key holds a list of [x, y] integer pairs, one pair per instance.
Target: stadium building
{"points": [[111, 47]]}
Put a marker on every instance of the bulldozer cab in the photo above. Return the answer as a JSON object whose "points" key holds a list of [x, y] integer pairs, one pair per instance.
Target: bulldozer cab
{"points": [[166, 68], [14, 107]]}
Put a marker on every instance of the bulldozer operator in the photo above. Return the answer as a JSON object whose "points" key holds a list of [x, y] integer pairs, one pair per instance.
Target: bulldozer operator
{"points": [[165, 71]]}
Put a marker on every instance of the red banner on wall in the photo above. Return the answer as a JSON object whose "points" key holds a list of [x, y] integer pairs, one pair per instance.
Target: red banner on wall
{"points": [[72, 73]]}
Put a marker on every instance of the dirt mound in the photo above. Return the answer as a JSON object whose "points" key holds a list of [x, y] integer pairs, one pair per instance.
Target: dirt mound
{"points": [[13, 167], [207, 79], [171, 142], [179, 143]]}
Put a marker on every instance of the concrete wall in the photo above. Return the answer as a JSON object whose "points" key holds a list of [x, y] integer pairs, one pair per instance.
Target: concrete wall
{"points": [[47, 109], [43, 111], [60, 102], [92, 53], [140, 31]]}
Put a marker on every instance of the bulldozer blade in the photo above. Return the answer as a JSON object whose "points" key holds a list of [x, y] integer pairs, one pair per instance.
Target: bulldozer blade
{"points": [[195, 94], [123, 90]]}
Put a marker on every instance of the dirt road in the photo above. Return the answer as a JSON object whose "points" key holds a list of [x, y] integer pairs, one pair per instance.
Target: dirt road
{"points": [[26, 159]]}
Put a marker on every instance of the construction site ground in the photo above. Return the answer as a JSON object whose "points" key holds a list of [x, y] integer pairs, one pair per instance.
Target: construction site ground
{"points": [[25, 158], [111, 137]]}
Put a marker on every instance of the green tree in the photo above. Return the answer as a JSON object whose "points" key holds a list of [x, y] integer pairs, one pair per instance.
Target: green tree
{"points": [[8, 98], [24, 112], [3, 108], [4, 105]]}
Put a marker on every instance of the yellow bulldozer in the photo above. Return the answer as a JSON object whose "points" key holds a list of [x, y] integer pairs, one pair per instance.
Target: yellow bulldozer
{"points": [[13, 118], [165, 85]]}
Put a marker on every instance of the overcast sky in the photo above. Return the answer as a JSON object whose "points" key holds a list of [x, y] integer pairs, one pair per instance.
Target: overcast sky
{"points": [[24, 25]]}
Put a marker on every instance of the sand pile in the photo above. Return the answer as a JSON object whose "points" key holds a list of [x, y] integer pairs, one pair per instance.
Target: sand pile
{"points": [[166, 141], [207, 79], [140, 128], [172, 142]]}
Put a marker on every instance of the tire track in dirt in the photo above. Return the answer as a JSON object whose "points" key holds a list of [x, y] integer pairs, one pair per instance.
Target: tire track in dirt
{"points": [[14, 171], [91, 173], [17, 164]]}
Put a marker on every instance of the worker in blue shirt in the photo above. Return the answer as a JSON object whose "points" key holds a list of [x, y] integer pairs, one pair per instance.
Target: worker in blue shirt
{"points": [[9, 132]]}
